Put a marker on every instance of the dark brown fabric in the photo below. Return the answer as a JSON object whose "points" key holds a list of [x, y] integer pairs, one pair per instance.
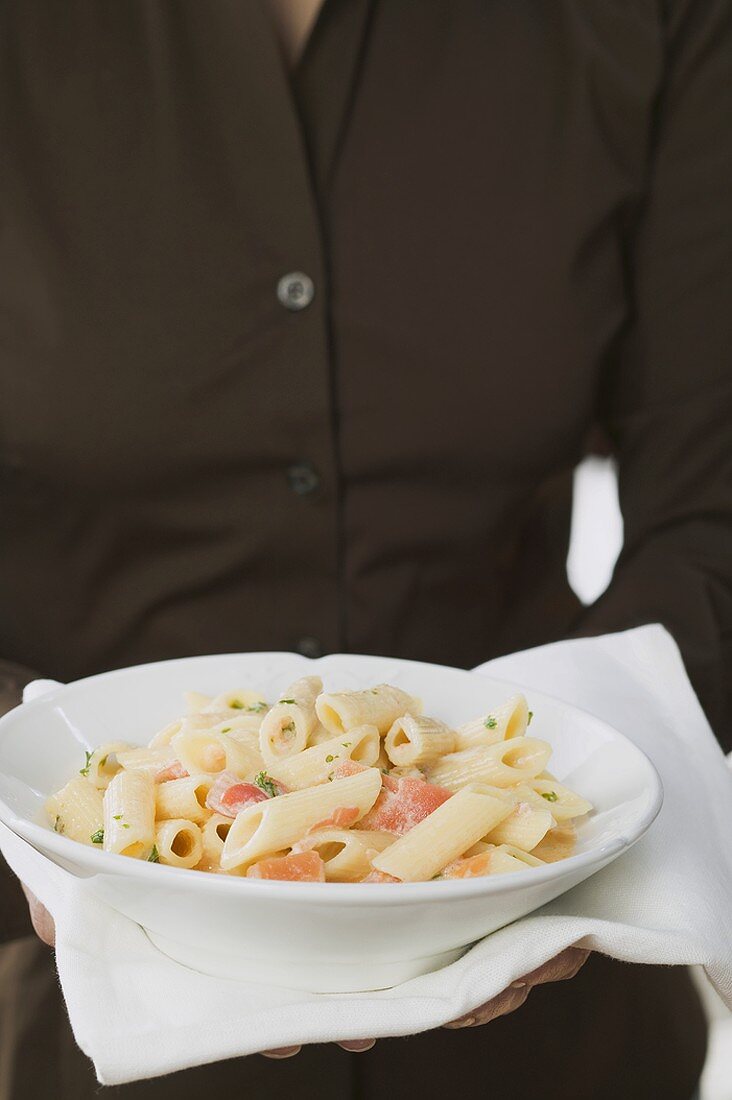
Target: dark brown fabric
{"points": [[517, 220]]}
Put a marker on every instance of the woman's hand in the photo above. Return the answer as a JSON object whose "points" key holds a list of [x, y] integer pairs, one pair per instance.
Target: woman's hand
{"points": [[41, 919], [564, 965]]}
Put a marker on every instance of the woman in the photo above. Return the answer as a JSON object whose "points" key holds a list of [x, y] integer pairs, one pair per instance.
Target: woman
{"points": [[307, 314]]}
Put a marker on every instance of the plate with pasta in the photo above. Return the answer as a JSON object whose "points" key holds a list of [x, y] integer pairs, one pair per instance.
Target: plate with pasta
{"points": [[334, 824]]}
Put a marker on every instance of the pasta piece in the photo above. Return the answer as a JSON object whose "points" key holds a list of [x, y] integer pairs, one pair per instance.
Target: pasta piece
{"points": [[346, 853], [146, 760], [76, 810], [184, 798], [212, 751], [213, 835], [164, 736], [195, 701], [286, 728], [417, 740], [524, 827], [242, 727], [318, 735], [178, 843], [559, 843], [443, 836], [508, 858], [129, 814], [563, 803], [507, 721], [316, 764], [501, 765], [280, 822], [102, 763], [379, 706], [249, 701]]}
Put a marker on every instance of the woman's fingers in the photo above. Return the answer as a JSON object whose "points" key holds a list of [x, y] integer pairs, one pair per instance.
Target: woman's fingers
{"points": [[41, 919], [563, 966], [507, 1001], [354, 1046]]}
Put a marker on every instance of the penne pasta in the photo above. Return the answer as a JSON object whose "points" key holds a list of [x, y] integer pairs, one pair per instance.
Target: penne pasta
{"points": [[286, 728], [76, 811], [502, 765], [212, 751], [524, 827], [417, 741], [443, 836], [184, 798], [178, 843], [346, 853], [129, 814], [509, 720], [379, 706], [316, 764], [563, 803], [280, 822]]}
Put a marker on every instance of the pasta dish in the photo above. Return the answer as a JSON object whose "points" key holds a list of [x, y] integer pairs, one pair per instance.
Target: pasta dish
{"points": [[351, 786]]}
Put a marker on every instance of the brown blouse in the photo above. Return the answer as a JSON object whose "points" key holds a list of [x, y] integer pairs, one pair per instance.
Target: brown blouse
{"points": [[306, 361]]}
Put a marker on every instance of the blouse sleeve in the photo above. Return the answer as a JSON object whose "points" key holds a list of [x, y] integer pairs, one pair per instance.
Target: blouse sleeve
{"points": [[667, 397]]}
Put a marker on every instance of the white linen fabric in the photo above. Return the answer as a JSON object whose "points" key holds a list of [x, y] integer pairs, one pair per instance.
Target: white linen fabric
{"points": [[138, 1014]]}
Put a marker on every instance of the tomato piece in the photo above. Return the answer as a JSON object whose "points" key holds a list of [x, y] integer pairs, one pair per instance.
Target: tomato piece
{"points": [[230, 794], [348, 767], [341, 818], [402, 804], [379, 876], [301, 867], [172, 771], [468, 867]]}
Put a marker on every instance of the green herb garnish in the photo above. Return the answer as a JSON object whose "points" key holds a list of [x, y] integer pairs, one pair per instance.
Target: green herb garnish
{"points": [[346, 744], [256, 708], [290, 702], [85, 769], [58, 825], [550, 796], [116, 817], [528, 720], [236, 704], [104, 759], [330, 758], [289, 728], [98, 837], [490, 722], [266, 784], [154, 857], [125, 825], [226, 729]]}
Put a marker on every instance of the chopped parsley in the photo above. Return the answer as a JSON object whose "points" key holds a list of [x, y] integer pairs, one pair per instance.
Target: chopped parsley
{"points": [[290, 702], [154, 857], [330, 758], [125, 825], [528, 720], [346, 744], [256, 708], [330, 777], [490, 722], [550, 796], [289, 728], [117, 817], [87, 762], [104, 759], [374, 691], [226, 729], [97, 837], [58, 825], [236, 704], [266, 784]]}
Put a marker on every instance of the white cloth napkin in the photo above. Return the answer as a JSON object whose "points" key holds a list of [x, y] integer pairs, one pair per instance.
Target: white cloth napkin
{"points": [[669, 900]]}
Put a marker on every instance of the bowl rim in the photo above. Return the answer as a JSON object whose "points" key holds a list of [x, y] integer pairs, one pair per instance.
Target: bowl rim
{"points": [[98, 863]]}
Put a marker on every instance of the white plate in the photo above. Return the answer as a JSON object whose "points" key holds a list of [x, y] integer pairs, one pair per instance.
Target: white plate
{"points": [[327, 937]]}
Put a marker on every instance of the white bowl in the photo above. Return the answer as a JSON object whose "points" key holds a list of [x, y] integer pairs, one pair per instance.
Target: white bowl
{"points": [[324, 937]]}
